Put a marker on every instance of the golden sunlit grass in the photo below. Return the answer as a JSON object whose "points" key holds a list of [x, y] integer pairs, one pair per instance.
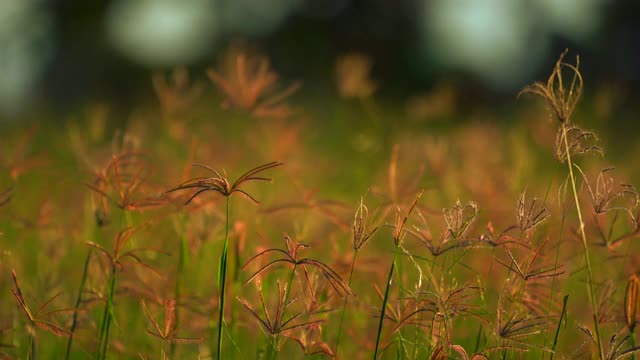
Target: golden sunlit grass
{"points": [[472, 242]]}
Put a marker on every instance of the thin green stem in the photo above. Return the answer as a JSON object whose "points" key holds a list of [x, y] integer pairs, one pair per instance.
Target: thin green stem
{"points": [[222, 277], [584, 244], [182, 253], [346, 300], [74, 322], [385, 300], [562, 315], [32, 346], [109, 308]]}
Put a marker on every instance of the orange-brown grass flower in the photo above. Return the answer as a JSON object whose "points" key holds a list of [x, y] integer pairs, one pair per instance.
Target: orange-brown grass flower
{"points": [[309, 338], [353, 76], [167, 331], [528, 270], [459, 218], [560, 98], [119, 254], [531, 212], [220, 184], [17, 159], [275, 323], [606, 194], [124, 183], [177, 93], [290, 256], [579, 141], [620, 344], [631, 302], [446, 241], [399, 231], [327, 208], [41, 317], [361, 227], [248, 82]]}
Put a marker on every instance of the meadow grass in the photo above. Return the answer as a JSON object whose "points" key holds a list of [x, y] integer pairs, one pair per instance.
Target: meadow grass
{"points": [[111, 247]]}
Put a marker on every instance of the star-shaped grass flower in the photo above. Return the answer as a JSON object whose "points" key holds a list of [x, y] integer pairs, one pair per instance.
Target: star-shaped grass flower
{"points": [[220, 184]]}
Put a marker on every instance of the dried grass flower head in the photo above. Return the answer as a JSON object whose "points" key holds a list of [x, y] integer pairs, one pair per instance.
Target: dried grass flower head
{"points": [[579, 141], [167, 331], [631, 302], [459, 218], [274, 323], [5, 196], [361, 227], [291, 256], [220, 184], [249, 84], [40, 318], [176, 93], [353, 76], [561, 97], [531, 212], [609, 195], [124, 181]]}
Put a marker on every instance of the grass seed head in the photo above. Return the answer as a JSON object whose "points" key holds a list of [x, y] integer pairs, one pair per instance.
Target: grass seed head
{"points": [[248, 83], [531, 212], [560, 98], [631, 302]]}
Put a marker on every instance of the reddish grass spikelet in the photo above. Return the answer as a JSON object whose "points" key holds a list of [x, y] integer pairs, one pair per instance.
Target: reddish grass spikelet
{"points": [[606, 193], [248, 83], [309, 338], [167, 331], [353, 76], [124, 183], [290, 256], [40, 318], [531, 212], [631, 301], [220, 184], [177, 93], [361, 226], [327, 208], [275, 323], [459, 218], [118, 255]]}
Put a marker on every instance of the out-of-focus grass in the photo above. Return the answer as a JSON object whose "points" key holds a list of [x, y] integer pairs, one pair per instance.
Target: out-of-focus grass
{"points": [[334, 152]]}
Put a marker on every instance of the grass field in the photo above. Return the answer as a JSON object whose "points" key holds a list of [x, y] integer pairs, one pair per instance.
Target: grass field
{"points": [[277, 226]]}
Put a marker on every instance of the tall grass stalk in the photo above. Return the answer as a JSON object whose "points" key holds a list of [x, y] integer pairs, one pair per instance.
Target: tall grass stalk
{"points": [[385, 299], [562, 315], [592, 296], [346, 300], [74, 321], [182, 257], [222, 277]]}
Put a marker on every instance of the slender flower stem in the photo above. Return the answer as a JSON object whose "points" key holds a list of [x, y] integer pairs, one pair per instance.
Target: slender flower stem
{"points": [[562, 315], [74, 322], [385, 299], [346, 300], [274, 347], [109, 308], [584, 244], [182, 254], [222, 277]]}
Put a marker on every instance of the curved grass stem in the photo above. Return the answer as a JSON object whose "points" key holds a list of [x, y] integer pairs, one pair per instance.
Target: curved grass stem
{"points": [[592, 296]]}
